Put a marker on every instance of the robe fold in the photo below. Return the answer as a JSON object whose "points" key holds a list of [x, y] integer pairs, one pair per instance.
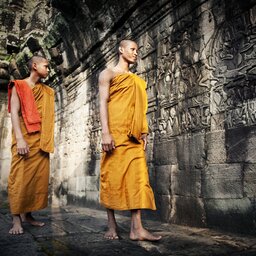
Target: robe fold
{"points": [[124, 180], [29, 175]]}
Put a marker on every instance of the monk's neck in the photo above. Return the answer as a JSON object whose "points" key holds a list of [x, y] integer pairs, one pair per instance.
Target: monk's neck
{"points": [[120, 69], [32, 81], [122, 66]]}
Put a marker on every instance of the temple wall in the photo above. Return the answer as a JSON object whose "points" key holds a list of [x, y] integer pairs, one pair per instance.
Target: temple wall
{"points": [[198, 58], [5, 143]]}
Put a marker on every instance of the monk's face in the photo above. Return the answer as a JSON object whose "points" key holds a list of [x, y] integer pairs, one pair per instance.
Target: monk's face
{"points": [[129, 52], [42, 68]]}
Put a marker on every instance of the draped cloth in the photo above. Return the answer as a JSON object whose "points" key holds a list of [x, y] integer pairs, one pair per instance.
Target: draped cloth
{"points": [[29, 175], [124, 180]]}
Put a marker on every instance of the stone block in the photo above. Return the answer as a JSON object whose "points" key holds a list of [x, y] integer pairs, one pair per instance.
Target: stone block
{"points": [[222, 181], [82, 184], [163, 174], [250, 180], [217, 118], [92, 196], [165, 152], [186, 182], [191, 150], [215, 147], [152, 175], [88, 199], [163, 204], [231, 214], [97, 167], [250, 156], [4, 173], [187, 211], [241, 144]]}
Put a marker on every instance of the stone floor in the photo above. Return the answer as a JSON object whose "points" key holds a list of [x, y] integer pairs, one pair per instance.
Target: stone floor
{"points": [[79, 231]]}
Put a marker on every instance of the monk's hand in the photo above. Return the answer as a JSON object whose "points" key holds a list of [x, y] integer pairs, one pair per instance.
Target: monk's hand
{"points": [[108, 143], [22, 147], [144, 137]]}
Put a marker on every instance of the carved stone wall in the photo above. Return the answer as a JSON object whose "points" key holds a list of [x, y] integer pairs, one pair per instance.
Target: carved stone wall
{"points": [[198, 58]]}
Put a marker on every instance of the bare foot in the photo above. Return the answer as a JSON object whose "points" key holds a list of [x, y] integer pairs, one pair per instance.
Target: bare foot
{"points": [[143, 235], [27, 217], [16, 228], [111, 234]]}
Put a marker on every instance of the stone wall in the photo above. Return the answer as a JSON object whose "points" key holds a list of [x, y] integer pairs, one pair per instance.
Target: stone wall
{"points": [[198, 58], [5, 143]]}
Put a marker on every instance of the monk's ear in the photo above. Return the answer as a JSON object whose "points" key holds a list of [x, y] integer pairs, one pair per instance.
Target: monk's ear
{"points": [[34, 66], [120, 49]]}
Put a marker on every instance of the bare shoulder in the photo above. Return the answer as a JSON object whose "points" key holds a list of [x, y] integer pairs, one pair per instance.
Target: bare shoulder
{"points": [[106, 75]]}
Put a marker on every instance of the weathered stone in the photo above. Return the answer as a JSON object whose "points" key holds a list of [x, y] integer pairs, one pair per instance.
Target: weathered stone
{"points": [[251, 148], [165, 153], [5, 142], [163, 204], [240, 143], [216, 147], [78, 185], [191, 151], [195, 216], [222, 181], [250, 180], [186, 182], [231, 214], [163, 178]]}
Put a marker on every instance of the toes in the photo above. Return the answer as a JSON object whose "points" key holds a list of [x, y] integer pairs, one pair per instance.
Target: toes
{"points": [[112, 237], [16, 231]]}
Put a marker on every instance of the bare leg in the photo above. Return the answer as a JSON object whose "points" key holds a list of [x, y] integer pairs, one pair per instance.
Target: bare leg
{"points": [[27, 217], [111, 234], [137, 230], [16, 228]]}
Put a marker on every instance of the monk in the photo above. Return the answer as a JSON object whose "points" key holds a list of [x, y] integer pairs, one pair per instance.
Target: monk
{"points": [[31, 105], [124, 181]]}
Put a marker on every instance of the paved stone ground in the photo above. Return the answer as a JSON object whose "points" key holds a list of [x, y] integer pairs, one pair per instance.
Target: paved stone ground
{"points": [[79, 231]]}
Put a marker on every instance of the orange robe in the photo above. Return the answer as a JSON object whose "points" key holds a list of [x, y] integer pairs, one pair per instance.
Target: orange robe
{"points": [[124, 181], [29, 176]]}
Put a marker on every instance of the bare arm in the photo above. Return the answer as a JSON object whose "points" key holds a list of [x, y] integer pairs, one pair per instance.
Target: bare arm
{"points": [[105, 77], [22, 146]]}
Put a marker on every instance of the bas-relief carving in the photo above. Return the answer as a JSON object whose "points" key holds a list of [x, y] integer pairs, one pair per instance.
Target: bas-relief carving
{"points": [[235, 90], [177, 76]]}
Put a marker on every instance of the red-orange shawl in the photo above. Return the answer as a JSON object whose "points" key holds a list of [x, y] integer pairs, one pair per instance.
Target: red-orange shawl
{"points": [[29, 109]]}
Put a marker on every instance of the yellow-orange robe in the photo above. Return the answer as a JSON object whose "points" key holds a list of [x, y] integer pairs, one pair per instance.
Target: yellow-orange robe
{"points": [[29, 176], [124, 181]]}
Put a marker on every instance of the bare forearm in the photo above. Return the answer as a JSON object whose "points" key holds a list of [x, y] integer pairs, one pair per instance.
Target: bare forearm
{"points": [[16, 125], [104, 117]]}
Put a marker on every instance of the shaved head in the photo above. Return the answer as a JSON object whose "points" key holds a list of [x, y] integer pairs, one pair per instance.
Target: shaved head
{"points": [[35, 59], [126, 42]]}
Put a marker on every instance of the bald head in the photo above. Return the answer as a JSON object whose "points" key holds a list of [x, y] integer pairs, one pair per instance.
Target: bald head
{"points": [[35, 59], [126, 43]]}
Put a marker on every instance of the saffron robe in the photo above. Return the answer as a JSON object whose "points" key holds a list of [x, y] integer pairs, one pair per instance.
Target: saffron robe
{"points": [[29, 175], [124, 181]]}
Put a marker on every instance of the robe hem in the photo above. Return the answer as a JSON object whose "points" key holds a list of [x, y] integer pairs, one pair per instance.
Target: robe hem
{"points": [[129, 208]]}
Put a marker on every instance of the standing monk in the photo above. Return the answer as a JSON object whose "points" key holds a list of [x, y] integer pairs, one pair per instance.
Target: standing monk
{"points": [[31, 104], [124, 176]]}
